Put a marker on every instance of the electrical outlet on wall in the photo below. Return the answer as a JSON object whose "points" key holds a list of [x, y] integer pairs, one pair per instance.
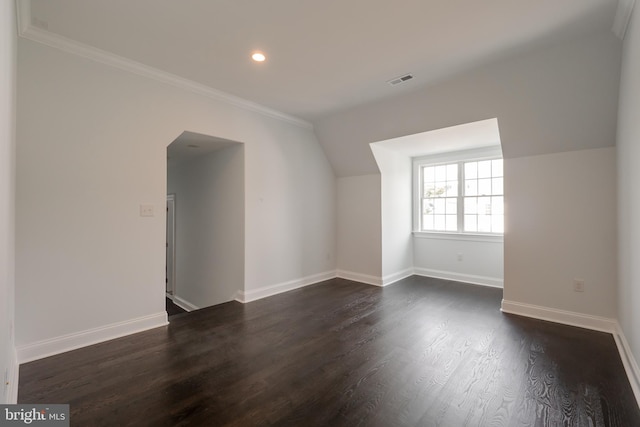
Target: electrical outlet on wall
{"points": [[460, 257], [578, 285]]}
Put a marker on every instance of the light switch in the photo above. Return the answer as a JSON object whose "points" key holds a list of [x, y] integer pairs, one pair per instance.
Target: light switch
{"points": [[146, 210]]}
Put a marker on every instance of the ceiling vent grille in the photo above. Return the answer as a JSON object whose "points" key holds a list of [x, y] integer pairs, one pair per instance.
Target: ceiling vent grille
{"points": [[401, 79]]}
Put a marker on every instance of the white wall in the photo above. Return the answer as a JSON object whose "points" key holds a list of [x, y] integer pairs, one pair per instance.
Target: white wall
{"points": [[92, 147], [210, 216], [561, 225], [438, 256], [359, 243], [560, 98], [8, 365], [397, 248], [628, 189]]}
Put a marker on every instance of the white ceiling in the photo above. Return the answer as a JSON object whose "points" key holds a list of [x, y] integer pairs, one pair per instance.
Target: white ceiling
{"points": [[323, 55], [468, 136], [190, 145]]}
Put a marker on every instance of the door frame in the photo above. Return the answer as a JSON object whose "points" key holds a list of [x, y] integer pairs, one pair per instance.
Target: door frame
{"points": [[170, 279]]}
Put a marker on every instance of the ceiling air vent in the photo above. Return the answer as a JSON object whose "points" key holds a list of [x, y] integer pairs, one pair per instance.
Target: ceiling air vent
{"points": [[401, 79]]}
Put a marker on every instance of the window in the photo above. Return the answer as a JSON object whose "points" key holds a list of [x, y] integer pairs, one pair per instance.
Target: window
{"points": [[465, 196]]}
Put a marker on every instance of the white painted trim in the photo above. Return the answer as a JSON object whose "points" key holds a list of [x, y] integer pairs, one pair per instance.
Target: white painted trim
{"points": [[14, 380], [359, 277], [28, 31], [396, 277], [465, 237], [184, 304], [623, 15], [493, 282], [171, 200], [571, 318], [49, 347], [629, 362], [267, 291]]}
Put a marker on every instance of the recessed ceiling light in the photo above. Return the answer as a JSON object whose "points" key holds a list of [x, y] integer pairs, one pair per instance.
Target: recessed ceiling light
{"points": [[258, 56]]}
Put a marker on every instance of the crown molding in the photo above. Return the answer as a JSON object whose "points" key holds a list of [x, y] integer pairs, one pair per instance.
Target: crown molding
{"points": [[28, 31], [623, 15]]}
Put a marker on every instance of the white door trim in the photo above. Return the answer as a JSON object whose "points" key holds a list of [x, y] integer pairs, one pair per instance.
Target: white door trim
{"points": [[171, 245]]}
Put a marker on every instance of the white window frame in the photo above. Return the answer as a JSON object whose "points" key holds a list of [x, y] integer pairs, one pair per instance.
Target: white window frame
{"points": [[447, 158]]}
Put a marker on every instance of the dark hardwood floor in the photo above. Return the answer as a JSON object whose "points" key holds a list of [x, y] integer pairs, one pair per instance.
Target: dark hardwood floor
{"points": [[422, 352]]}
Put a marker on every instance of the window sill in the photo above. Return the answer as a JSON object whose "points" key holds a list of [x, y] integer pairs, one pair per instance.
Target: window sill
{"points": [[469, 237]]}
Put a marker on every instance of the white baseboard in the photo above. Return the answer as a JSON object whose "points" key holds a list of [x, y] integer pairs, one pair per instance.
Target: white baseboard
{"points": [[358, 277], [602, 324], [493, 282], [41, 349], [267, 291], [628, 361], [184, 304], [395, 277], [571, 318]]}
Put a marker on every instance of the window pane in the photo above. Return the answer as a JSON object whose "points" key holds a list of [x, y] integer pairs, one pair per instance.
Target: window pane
{"points": [[496, 167], [452, 172], [484, 169], [439, 222], [452, 223], [440, 189], [471, 187], [497, 225], [429, 190], [452, 190], [427, 206], [496, 186], [470, 223], [439, 205], [497, 205], [484, 187], [470, 205], [452, 206], [484, 205], [471, 170], [441, 173], [427, 222], [429, 174], [484, 223]]}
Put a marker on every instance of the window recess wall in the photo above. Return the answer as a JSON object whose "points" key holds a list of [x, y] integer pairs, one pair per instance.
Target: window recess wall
{"points": [[471, 257], [458, 216]]}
